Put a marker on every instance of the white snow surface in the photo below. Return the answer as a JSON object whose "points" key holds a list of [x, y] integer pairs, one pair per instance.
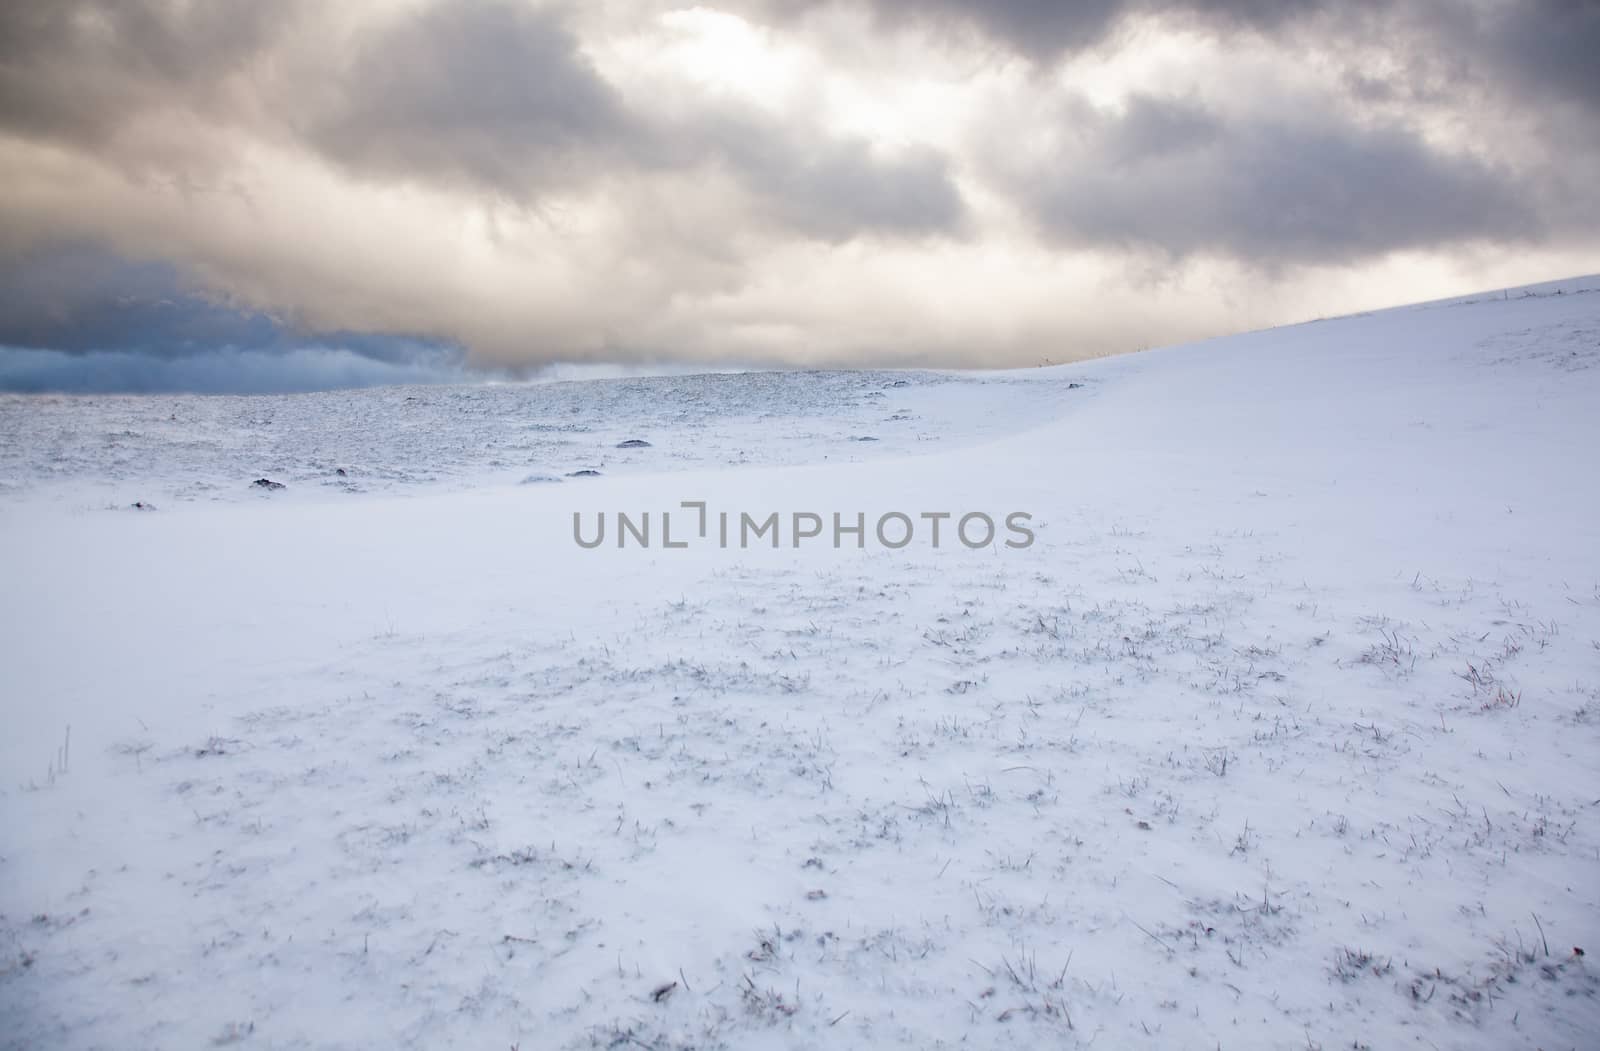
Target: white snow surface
{"points": [[1285, 732]]}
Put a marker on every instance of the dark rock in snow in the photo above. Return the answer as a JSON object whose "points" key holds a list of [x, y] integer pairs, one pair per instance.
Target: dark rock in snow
{"points": [[1074, 386], [140, 505], [585, 473], [634, 443], [340, 472], [267, 483], [864, 438], [539, 479]]}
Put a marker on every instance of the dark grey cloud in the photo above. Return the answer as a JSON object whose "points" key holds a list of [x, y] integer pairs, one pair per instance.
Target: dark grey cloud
{"points": [[79, 297], [74, 316], [1171, 176], [76, 70], [1533, 48], [1546, 49], [829, 187], [495, 94], [839, 187], [1040, 29], [1046, 30]]}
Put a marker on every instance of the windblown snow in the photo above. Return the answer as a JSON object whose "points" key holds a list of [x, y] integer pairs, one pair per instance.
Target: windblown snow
{"points": [[1283, 731]]}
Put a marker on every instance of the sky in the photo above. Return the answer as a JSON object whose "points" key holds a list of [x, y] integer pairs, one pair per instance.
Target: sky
{"points": [[287, 194]]}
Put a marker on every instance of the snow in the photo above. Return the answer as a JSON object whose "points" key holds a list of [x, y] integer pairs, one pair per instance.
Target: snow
{"points": [[1284, 732]]}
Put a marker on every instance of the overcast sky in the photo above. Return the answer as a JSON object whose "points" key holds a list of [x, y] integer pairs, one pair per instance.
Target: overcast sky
{"points": [[416, 187]]}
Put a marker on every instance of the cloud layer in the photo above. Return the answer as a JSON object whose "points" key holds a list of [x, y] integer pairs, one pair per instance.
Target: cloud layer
{"points": [[876, 182]]}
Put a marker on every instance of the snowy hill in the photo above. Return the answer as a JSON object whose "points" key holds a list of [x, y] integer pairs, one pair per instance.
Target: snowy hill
{"points": [[1284, 730]]}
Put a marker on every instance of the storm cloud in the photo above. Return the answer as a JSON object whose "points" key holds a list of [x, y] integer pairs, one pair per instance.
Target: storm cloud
{"points": [[835, 181], [1174, 177], [80, 73], [495, 95], [1045, 30], [75, 317]]}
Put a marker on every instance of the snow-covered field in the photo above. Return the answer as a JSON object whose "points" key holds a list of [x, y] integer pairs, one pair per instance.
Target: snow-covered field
{"points": [[1285, 731]]}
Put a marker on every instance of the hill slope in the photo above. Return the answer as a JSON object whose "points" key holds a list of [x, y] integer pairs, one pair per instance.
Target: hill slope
{"points": [[1284, 730]]}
